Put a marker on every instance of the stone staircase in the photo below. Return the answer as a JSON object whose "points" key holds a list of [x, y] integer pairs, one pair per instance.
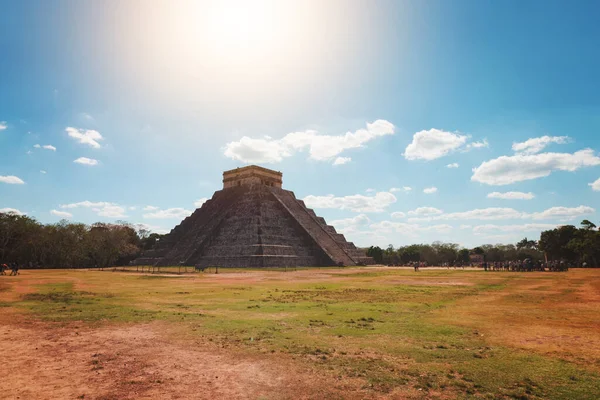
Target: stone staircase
{"points": [[194, 230], [259, 232], [253, 226], [314, 226]]}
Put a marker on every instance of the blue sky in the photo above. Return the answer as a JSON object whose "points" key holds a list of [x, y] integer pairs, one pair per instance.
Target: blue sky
{"points": [[354, 101]]}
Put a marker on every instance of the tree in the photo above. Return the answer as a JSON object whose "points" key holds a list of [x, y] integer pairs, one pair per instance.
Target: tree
{"points": [[588, 225], [446, 252], [478, 250], [390, 256], [107, 243], [150, 241], [376, 253], [409, 253], [65, 245], [555, 243], [526, 244], [17, 236], [69, 245], [463, 256]]}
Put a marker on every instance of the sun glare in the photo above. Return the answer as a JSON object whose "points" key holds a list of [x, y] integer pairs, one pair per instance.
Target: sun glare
{"points": [[220, 50], [241, 27], [234, 31]]}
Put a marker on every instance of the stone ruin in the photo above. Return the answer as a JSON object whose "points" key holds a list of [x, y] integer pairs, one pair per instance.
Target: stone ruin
{"points": [[253, 222]]}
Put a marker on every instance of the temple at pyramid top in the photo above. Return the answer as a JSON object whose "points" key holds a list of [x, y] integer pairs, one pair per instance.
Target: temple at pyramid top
{"points": [[253, 222], [252, 174]]}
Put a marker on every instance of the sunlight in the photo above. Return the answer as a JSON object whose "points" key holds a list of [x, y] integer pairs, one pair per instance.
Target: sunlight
{"points": [[235, 31], [231, 51], [242, 28]]}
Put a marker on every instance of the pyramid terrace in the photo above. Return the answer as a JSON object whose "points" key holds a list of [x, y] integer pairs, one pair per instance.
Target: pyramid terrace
{"points": [[254, 222]]}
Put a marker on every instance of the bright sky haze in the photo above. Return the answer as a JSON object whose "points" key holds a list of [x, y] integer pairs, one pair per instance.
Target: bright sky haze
{"points": [[399, 122]]}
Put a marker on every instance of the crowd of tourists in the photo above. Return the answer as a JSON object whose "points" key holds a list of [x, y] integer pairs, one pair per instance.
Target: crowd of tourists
{"points": [[526, 265], [13, 267]]}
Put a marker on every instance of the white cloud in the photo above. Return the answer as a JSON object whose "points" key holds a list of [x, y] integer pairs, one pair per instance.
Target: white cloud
{"points": [[351, 225], [11, 211], [85, 136], [169, 213], [320, 147], [563, 213], [86, 116], [440, 228], [358, 202], [42, 171], [371, 190], [408, 229], [595, 185], [489, 228], [102, 208], [510, 169], [198, 203], [151, 208], [402, 189], [360, 219], [152, 228], [11, 179], [511, 195], [398, 215], [453, 165], [62, 214], [133, 208], [46, 146], [499, 213], [535, 145], [491, 213], [477, 145], [432, 144], [436, 143], [342, 160], [430, 190], [425, 212], [465, 226], [3, 125], [86, 161]]}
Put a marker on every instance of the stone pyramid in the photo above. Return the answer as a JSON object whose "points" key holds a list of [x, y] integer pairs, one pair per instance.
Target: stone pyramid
{"points": [[253, 222]]}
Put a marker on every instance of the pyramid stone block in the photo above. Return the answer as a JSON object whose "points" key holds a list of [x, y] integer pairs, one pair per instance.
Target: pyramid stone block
{"points": [[253, 222]]}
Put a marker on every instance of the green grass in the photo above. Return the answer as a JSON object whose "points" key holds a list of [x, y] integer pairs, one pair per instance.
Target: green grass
{"points": [[359, 325]]}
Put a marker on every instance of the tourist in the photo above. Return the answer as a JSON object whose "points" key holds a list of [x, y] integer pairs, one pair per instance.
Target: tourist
{"points": [[14, 269]]}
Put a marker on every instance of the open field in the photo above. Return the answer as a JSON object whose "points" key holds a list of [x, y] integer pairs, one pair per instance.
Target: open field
{"points": [[315, 333]]}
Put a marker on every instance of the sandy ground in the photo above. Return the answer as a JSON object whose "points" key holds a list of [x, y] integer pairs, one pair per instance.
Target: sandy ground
{"points": [[44, 361]]}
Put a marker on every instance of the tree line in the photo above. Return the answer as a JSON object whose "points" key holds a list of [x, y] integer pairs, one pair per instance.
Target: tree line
{"points": [[25, 241], [75, 245], [573, 245]]}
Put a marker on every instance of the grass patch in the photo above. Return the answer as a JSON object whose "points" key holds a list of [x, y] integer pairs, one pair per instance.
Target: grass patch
{"points": [[428, 336]]}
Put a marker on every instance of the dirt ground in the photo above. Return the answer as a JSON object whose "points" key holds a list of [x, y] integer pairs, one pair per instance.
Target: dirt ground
{"points": [[44, 360], [48, 361], [71, 360]]}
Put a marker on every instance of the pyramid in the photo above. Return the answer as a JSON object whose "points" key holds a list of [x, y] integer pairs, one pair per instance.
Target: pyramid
{"points": [[253, 222]]}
